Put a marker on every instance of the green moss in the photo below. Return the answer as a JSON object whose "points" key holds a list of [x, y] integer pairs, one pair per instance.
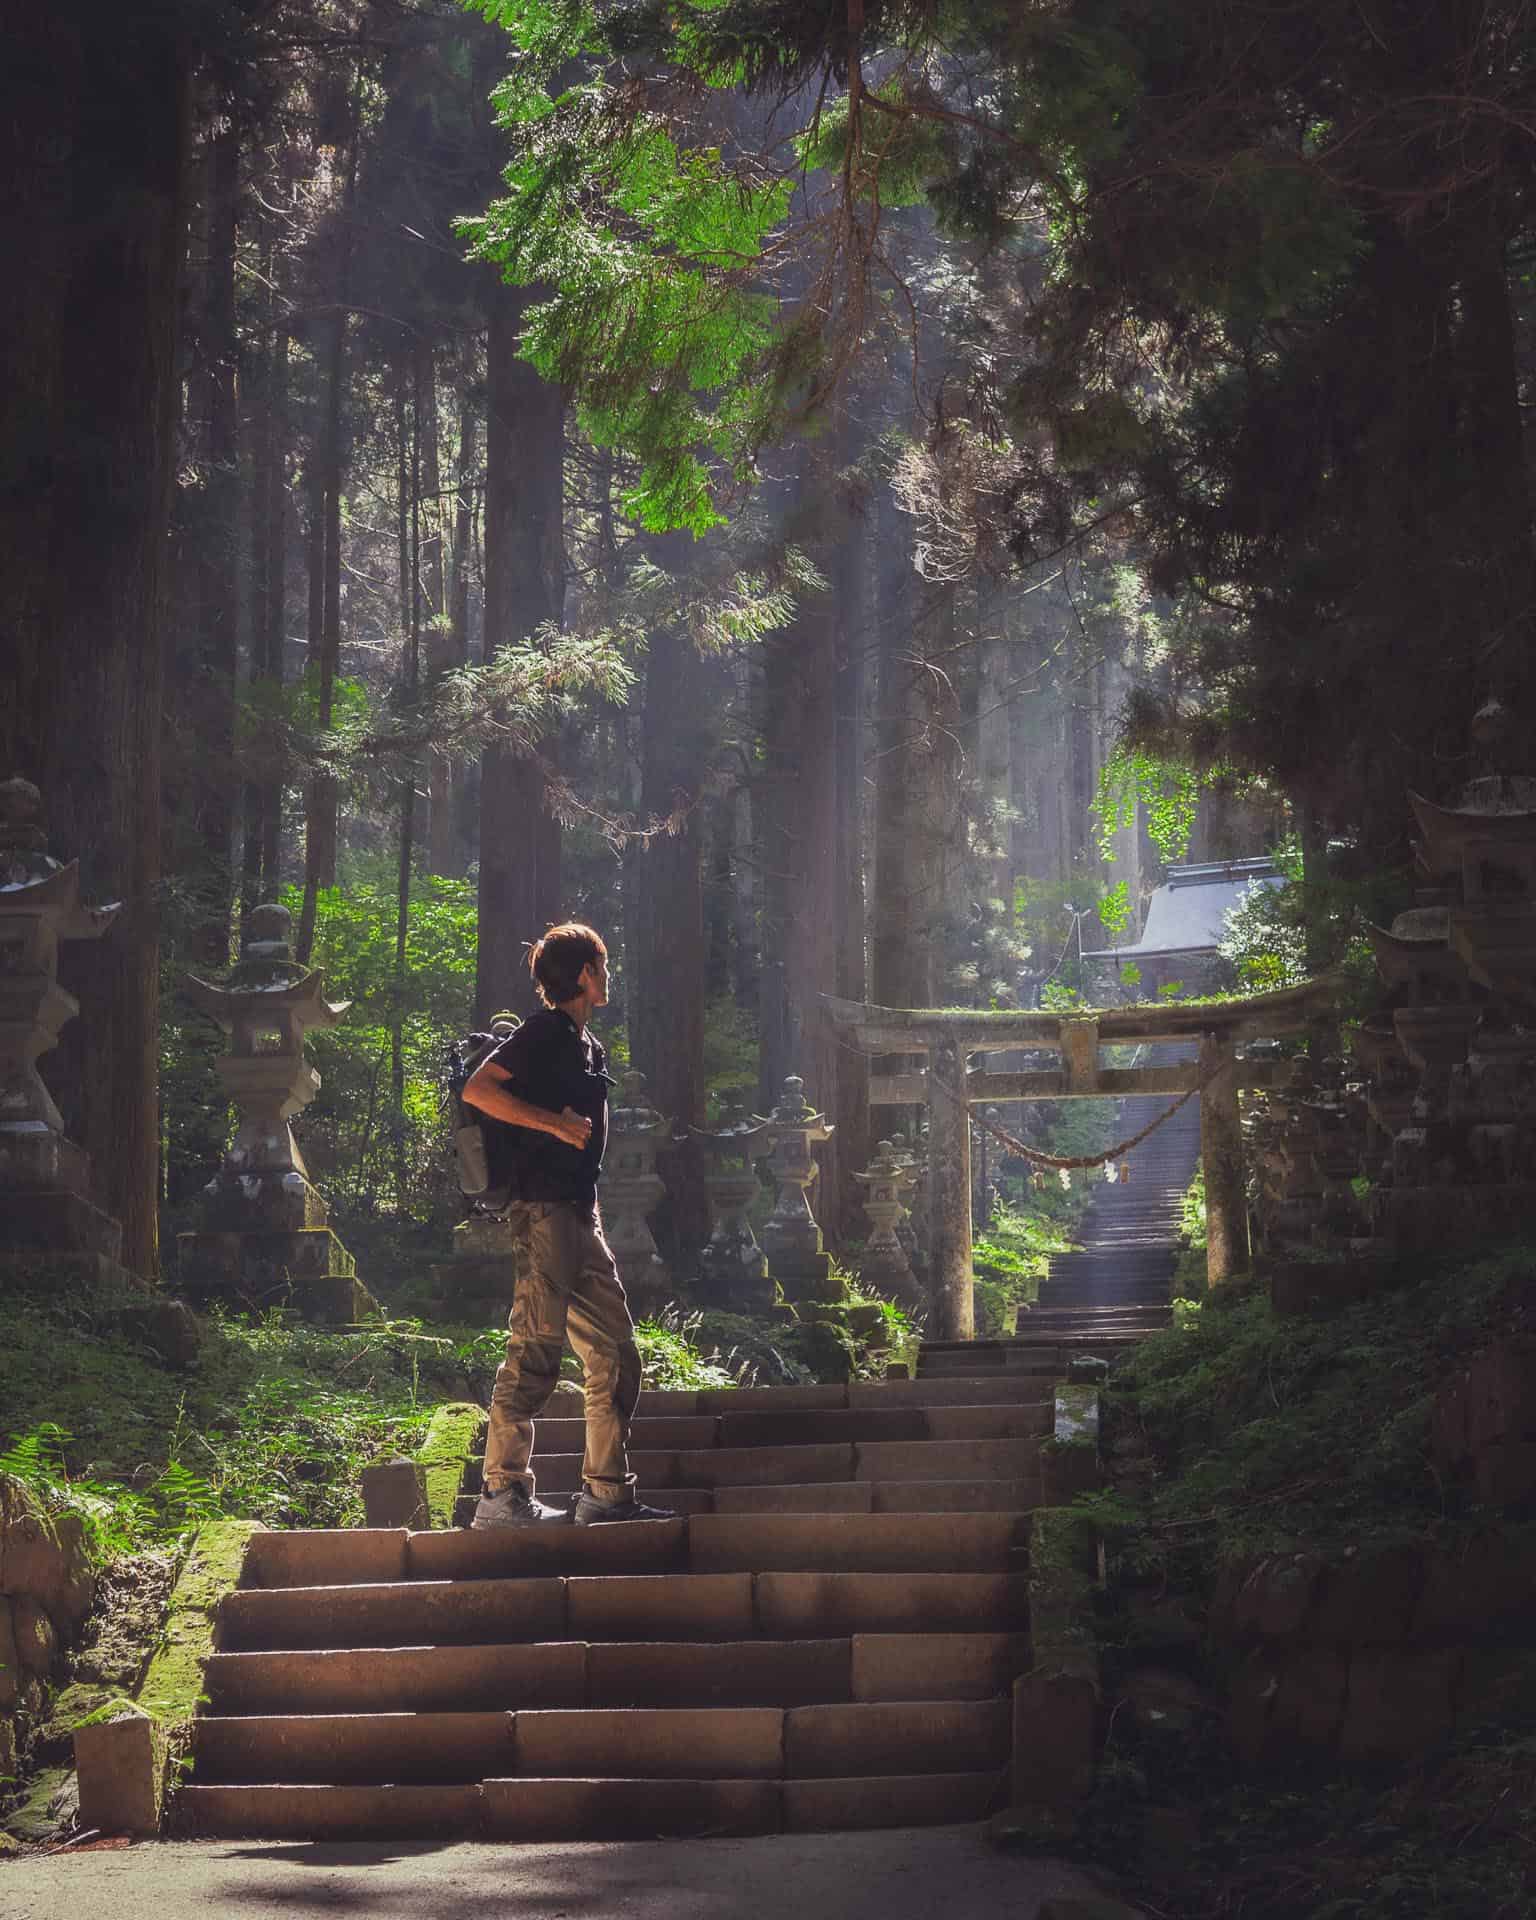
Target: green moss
{"points": [[213, 1565], [116, 1708], [452, 1435], [74, 1707], [173, 1687], [43, 1810]]}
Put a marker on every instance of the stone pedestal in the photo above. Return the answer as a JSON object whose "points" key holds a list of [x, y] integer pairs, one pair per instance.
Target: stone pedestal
{"points": [[791, 1238], [474, 1288], [52, 1235], [632, 1190], [307, 1270], [265, 1240], [884, 1266], [44, 1178], [733, 1269]]}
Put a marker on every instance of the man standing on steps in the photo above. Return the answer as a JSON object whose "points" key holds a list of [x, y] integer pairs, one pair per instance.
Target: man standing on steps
{"points": [[548, 1086]]}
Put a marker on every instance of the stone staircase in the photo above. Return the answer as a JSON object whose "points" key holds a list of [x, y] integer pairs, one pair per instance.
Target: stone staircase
{"points": [[826, 1637]]}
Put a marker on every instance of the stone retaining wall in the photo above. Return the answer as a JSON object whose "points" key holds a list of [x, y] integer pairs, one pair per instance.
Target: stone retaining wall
{"points": [[1373, 1660], [46, 1588]]}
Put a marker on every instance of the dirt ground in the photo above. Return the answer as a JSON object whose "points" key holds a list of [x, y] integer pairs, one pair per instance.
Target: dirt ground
{"points": [[937, 1873]]}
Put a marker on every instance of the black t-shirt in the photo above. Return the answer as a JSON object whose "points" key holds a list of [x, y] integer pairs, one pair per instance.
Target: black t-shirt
{"points": [[551, 1062]]}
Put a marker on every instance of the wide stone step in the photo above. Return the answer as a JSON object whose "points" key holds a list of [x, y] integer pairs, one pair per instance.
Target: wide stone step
{"points": [[838, 1425], [807, 1465], [348, 1556], [833, 1496], [885, 1496], [858, 1543], [353, 1749], [715, 1467], [591, 1809], [848, 1739], [691, 1402], [909, 1526], [632, 1673]]}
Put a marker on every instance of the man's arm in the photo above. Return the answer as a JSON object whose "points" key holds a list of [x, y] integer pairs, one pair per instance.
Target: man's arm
{"points": [[489, 1089]]}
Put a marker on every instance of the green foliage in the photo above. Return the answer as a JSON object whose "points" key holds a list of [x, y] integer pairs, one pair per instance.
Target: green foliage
{"points": [[349, 1130], [657, 320], [350, 702], [730, 1048], [1114, 911], [1278, 936], [1271, 1432], [670, 1352], [1192, 1212], [1169, 790], [912, 156], [1009, 1261], [270, 1422]]}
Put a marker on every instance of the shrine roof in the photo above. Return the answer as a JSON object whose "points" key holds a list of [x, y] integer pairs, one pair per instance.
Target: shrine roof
{"points": [[1188, 912]]}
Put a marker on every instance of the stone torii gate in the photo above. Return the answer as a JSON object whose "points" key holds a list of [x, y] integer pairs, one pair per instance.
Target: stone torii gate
{"points": [[948, 1035]]}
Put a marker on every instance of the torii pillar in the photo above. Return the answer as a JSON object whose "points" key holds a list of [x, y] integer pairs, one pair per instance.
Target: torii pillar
{"points": [[949, 1163], [1221, 1154]]}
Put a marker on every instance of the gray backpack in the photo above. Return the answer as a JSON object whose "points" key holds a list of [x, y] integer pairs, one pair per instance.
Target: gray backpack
{"points": [[467, 1123]]}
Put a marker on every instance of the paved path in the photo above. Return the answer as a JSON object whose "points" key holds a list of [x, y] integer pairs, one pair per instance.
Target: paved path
{"points": [[935, 1873]]}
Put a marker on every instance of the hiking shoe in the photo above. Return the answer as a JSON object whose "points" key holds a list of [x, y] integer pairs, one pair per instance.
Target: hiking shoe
{"points": [[595, 1513], [512, 1507]]}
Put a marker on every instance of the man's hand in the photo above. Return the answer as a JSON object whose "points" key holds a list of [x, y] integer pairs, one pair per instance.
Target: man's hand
{"points": [[488, 1090]]}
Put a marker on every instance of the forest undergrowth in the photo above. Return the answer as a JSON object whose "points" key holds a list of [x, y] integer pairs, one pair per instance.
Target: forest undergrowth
{"points": [[1239, 1434], [273, 1421]]}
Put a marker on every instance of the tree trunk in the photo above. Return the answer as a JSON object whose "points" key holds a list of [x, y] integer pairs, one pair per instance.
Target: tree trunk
{"points": [[321, 810], [908, 894], [264, 441], [524, 589], [448, 850], [215, 552], [667, 992], [410, 682], [269, 591], [1499, 516], [93, 136], [849, 1103]]}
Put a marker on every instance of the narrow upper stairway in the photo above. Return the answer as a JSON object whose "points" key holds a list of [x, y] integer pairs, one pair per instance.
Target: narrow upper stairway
{"points": [[826, 1637], [1115, 1288]]}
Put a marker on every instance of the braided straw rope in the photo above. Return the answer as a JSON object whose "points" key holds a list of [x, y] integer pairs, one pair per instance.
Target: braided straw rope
{"points": [[1036, 1158]]}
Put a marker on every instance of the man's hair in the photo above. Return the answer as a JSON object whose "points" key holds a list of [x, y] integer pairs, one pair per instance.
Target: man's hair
{"points": [[557, 960]]}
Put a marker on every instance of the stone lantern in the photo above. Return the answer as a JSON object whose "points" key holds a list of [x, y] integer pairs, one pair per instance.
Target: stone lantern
{"points": [[632, 1190], [265, 1236], [884, 1265], [1461, 1166], [791, 1237], [733, 1269], [44, 1178]]}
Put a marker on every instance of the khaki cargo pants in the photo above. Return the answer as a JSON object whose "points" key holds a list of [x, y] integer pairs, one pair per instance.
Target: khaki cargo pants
{"points": [[568, 1287]]}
